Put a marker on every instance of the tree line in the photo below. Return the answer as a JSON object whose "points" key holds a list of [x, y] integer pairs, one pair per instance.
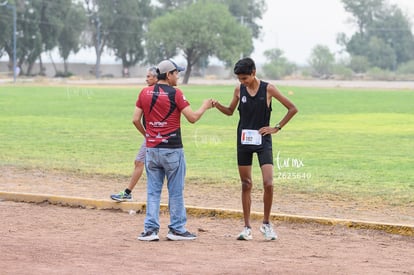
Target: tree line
{"points": [[135, 31], [145, 31], [382, 46]]}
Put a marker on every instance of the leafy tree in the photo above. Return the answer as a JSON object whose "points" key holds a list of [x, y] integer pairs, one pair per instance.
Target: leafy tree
{"points": [[29, 42], [381, 55], [28, 38], [50, 26], [99, 22], [6, 27], [39, 25], [127, 43], [364, 11], [198, 30], [69, 38], [278, 66], [6, 33], [357, 45], [384, 33], [394, 29], [321, 61], [247, 12]]}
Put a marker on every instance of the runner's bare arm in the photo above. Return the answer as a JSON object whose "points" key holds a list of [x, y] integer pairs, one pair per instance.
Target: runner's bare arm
{"points": [[194, 116], [273, 92], [233, 104]]}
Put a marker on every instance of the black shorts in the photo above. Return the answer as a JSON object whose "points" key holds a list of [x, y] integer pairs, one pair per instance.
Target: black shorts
{"points": [[246, 158]]}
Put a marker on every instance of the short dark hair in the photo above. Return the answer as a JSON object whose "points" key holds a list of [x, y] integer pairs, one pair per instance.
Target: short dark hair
{"points": [[161, 76], [244, 66]]}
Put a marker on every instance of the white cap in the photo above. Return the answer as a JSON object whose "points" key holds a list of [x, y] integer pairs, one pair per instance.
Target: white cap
{"points": [[166, 66]]}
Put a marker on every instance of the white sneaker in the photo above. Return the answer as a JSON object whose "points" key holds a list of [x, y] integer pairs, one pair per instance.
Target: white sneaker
{"points": [[175, 236], [246, 234], [268, 232], [149, 236]]}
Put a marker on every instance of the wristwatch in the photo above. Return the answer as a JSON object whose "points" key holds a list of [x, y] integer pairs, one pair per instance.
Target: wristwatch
{"points": [[278, 127]]}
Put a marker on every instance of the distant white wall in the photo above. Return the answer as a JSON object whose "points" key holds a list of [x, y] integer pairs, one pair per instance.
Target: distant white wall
{"points": [[111, 70]]}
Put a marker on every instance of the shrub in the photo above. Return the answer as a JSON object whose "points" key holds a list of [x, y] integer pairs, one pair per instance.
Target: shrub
{"points": [[406, 68], [63, 74], [376, 73], [343, 72]]}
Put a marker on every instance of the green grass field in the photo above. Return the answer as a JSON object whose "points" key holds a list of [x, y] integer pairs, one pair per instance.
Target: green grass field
{"points": [[347, 142]]}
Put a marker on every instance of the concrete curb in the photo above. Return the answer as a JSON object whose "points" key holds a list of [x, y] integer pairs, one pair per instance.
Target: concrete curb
{"points": [[139, 207]]}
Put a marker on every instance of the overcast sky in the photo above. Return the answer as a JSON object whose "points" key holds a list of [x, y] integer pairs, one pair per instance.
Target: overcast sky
{"points": [[296, 26]]}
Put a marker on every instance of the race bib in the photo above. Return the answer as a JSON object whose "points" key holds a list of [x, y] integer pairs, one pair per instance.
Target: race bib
{"points": [[251, 137]]}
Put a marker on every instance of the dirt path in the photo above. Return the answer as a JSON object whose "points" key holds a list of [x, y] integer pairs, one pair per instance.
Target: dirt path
{"points": [[48, 239], [287, 201]]}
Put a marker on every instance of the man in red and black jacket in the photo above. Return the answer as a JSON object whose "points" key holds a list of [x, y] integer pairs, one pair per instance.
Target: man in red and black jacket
{"points": [[162, 106]]}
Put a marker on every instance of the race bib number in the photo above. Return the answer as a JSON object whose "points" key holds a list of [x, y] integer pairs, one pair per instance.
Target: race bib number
{"points": [[251, 137]]}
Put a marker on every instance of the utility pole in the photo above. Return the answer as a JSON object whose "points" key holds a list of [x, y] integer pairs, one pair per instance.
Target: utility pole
{"points": [[98, 46]]}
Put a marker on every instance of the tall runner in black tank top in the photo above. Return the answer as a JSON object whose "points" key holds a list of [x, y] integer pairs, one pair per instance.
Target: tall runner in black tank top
{"points": [[254, 101], [254, 114]]}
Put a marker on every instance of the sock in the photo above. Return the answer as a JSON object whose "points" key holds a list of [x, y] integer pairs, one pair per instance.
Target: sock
{"points": [[127, 191]]}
